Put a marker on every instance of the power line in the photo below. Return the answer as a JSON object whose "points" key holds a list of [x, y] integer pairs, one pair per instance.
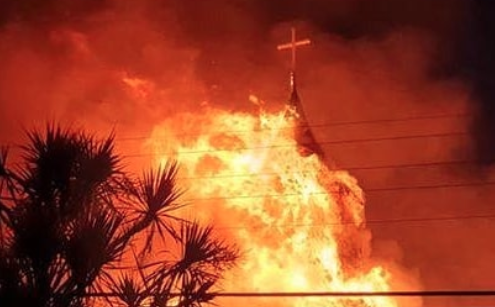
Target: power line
{"points": [[432, 219], [438, 186], [329, 142], [408, 165], [354, 168], [360, 294], [435, 293], [325, 125], [322, 125], [367, 222], [402, 188], [340, 168], [418, 136], [351, 168]]}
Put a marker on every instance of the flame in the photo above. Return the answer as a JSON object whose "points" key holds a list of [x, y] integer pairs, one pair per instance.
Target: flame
{"points": [[300, 224]]}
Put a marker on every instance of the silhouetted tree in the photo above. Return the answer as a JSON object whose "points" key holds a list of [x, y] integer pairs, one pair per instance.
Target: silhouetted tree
{"points": [[75, 228]]}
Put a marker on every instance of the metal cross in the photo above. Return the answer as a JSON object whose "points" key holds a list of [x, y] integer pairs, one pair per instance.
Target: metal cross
{"points": [[293, 45]]}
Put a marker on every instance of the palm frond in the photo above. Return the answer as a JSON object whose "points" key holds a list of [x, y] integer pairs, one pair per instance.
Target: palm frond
{"points": [[194, 274], [8, 193], [203, 258], [3, 172], [4, 152], [94, 174], [99, 162], [157, 196], [200, 247], [195, 293], [128, 291], [69, 166], [4, 183], [93, 242], [36, 235], [51, 157], [14, 291], [66, 235], [158, 190]]}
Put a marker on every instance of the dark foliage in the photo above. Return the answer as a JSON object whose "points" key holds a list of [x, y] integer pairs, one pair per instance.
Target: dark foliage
{"points": [[70, 217]]}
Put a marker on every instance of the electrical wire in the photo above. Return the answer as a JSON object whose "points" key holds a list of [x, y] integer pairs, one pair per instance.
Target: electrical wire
{"points": [[434, 293], [350, 168], [325, 125], [372, 190], [394, 138], [312, 126], [416, 220]]}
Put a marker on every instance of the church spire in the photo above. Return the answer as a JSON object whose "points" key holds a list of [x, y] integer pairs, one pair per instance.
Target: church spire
{"points": [[294, 43], [294, 97], [304, 137]]}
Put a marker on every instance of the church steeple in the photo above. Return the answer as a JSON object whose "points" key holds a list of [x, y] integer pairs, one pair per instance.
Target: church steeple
{"points": [[294, 97], [302, 133]]}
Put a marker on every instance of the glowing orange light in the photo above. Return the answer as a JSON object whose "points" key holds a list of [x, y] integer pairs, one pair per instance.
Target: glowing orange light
{"points": [[300, 224]]}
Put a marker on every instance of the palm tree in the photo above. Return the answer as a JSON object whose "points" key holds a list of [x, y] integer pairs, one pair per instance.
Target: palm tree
{"points": [[70, 217]]}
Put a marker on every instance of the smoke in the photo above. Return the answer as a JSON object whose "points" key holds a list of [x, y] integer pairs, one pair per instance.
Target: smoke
{"points": [[126, 65], [90, 68], [478, 65], [74, 54]]}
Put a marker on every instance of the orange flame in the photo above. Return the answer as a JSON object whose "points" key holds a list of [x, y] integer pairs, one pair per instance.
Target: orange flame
{"points": [[300, 225]]}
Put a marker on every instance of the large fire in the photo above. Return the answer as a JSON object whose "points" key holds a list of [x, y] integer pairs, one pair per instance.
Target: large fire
{"points": [[300, 224]]}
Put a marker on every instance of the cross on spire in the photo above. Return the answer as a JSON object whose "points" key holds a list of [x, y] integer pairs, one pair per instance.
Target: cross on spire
{"points": [[302, 134], [293, 46]]}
